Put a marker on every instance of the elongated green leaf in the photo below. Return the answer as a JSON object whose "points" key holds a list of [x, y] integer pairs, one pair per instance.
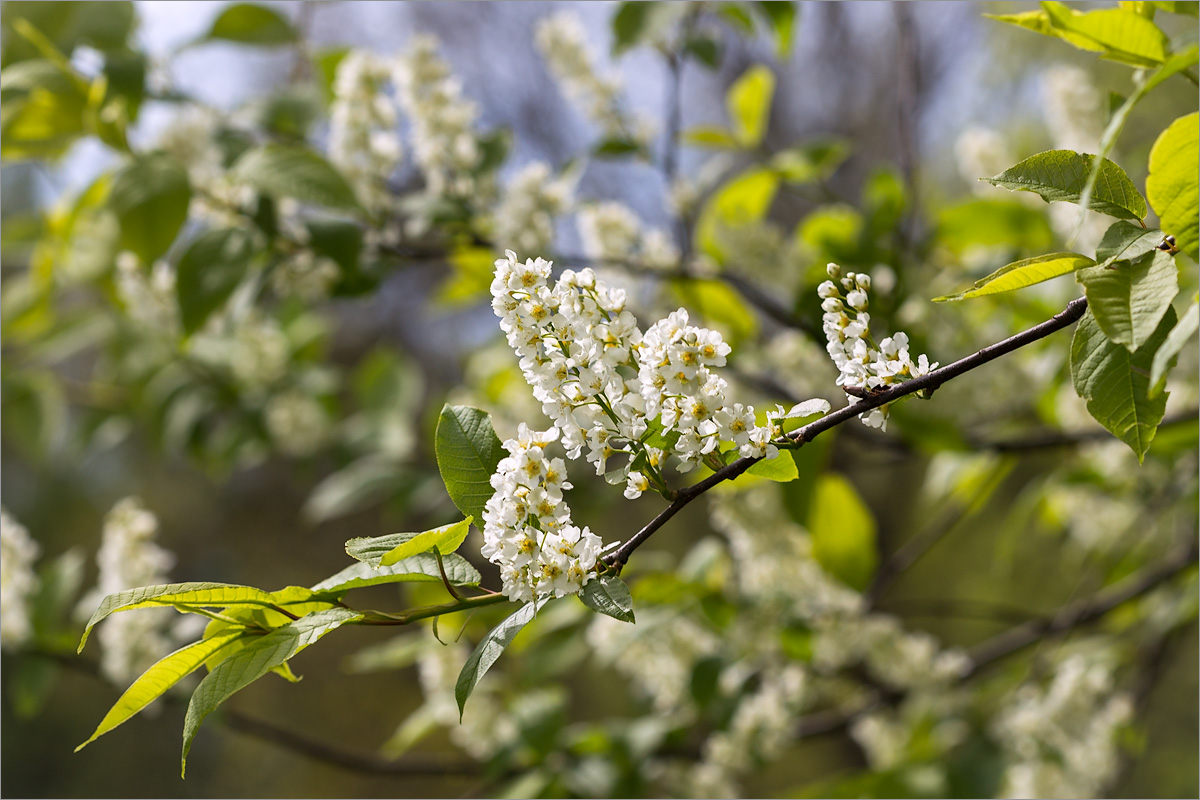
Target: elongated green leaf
{"points": [[1172, 185], [489, 649], [252, 662], [467, 451], [1125, 35], [1022, 273], [218, 595], [150, 198], [384, 551], [780, 469], [609, 595], [843, 532], [1128, 298], [291, 171], [209, 271], [812, 162], [743, 200], [749, 105], [1116, 383], [782, 18], [1126, 241], [155, 681], [710, 136], [1039, 22], [421, 567], [248, 23], [1164, 357], [1063, 175]]}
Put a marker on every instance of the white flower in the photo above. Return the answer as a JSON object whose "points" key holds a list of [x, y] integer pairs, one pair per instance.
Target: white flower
{"points": [[363, 141], [18, 582], [524, 218]]}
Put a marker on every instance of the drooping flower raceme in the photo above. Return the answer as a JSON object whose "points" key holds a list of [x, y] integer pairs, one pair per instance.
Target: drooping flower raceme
{"points": [[363, 141], [528, 206], [604, 383], [862, 363]]}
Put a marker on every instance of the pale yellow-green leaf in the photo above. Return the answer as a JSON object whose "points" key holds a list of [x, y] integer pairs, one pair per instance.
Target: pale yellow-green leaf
{"points": [[1022, 273], [743, 200], [1172, 185], [749, 105]]}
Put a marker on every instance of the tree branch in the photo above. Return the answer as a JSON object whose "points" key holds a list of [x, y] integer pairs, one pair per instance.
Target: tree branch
{"points": [[929, 382]]}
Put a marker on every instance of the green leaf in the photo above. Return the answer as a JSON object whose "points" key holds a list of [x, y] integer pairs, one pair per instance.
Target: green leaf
{"points": [[628, 24], [608, 595], [843, 532], [1116, 383], [293, 171], [489, 649], [782, 18], [208, 272], [1125, 35], [67, 25], [1165, 355], [1063, 175], [704, 48], [1187, 7], [474, 268], [254, 661], [743, 200], [1171, 186], [720, 306], [1039, 22], [220, 595], [384, 551], [325, 65], [780, 469], [156, 680], [1126, 241], [467, 451], [1023, 273], [359, 484], [44, 108], [1128, 298], [248, 23], [810, 163], [616, 147], [421, 567], [151, 198], [710, 136], [749, 105], [994, 223]]}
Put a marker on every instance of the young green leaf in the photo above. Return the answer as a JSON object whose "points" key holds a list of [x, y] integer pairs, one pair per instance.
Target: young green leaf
{"points": [[1126, 241], [1172, 185], [219, 595], [1116, 383], [253, 661], [293, 171], [742, 200], [1063, 175], [782, 18], [156, 680], [422, 567], [384, 551], [247, 23], [609, 595], [780, 469], [1020, 274], [489, 649], [719, 306], [843, 532], [208, 272], [1164, 357], [467, 451], [749, 105], [710, 136], [1128, 298], [151, 198], [810, 163], [1039, 22], [1126, 36]]}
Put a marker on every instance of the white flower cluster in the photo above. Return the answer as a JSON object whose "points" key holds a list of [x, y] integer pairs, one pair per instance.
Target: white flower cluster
{"points": [[981, 153], [1073, 108], [1062, 740], [527, 527], [363, 140], [763, 724], [18, 581], [524, 218], [253, 348], [610, 231], [297, 422], [148, 295], [192, 138], [861, 363], [444, 145], [562, 40], [128, 558]]}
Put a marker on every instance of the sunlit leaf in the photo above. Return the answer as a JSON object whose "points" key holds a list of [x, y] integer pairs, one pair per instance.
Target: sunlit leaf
{"points": [[1128, 298], [608, 595], [780, 469], [743, 200], [749, 105], [1125, 35], [843, 532], [1063, 175], [422, 567], [489, 649], [467, 451], [1020, 274], [383, 551], [1172, 185]]}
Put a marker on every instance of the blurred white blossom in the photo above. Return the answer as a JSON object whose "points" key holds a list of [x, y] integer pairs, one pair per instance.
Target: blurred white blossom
{"points": [[18, 582]]}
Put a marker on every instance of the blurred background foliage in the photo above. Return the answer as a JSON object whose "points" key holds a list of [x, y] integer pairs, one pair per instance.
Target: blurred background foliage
{"points": [[211, 304]]}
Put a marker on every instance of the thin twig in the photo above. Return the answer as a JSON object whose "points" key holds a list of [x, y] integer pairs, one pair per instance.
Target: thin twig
{"points": [[928, 383]]}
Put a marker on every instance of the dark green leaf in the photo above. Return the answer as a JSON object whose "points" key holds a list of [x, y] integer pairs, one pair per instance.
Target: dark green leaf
{"points": [[1125, 241], [608, 595], [255, 660], [1164, 357], [1063, 175], [1128, 298], [1116, 383], [293, 171], [705, 49], [422, 567], [467, 451], [208, 272], [489, 649], [151, 198], [248, 23], [782, 18]]}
